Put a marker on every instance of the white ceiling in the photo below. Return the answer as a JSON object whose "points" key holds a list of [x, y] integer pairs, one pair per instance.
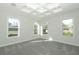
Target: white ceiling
{"points": [[37, 8], [44, 9]]}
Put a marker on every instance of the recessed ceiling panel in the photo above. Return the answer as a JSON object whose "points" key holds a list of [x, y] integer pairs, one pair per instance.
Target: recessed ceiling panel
{"points": [[45, 9]]}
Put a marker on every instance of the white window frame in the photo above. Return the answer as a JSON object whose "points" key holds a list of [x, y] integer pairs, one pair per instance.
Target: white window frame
{"points": [[18, 28]]}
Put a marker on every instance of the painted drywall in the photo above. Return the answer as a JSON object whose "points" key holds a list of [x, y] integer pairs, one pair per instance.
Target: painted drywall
{"points": [[26, 25], [55, 27], [27, 21]]}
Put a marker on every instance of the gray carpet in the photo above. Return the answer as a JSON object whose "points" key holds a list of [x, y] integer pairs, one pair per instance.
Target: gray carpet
{"points": [[40, 48]]}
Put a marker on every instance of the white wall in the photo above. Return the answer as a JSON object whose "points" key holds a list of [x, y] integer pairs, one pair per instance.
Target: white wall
{"points": [[26, 20], [55, 27]]}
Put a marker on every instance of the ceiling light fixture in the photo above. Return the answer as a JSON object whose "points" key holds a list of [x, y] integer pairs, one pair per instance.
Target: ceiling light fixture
{"points": [[26, 10], [32, 5], [41, 10], [57, 10], [52, 5]]}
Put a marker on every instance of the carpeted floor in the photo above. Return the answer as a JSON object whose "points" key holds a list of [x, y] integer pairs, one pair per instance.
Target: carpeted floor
{"points": [[40, 48]]}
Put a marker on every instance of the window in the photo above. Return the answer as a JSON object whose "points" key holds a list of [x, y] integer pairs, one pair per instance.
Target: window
{"points": [[45, 29], [40, 29], [68, 27], [36, 28], [13, 27]]}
